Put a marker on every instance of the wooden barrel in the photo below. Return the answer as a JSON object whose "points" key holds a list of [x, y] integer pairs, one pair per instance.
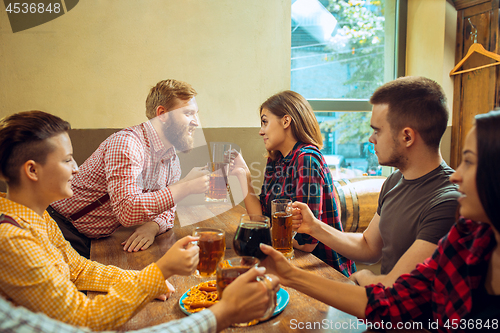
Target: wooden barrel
{"points": [[358, 199]]}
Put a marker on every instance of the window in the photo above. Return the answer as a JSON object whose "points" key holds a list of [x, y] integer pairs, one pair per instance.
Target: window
{"points": [[341, 52], [345, 146]]}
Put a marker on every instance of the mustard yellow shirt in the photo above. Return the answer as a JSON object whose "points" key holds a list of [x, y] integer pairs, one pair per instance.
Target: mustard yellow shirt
{"points": [[42, 272]]}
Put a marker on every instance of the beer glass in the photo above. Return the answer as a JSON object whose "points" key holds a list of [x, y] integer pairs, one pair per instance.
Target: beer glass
{"points": [[212, 244], [219, 172], [228, 270], [217, 188], [220, 152], [252, 230], [281, 227]]}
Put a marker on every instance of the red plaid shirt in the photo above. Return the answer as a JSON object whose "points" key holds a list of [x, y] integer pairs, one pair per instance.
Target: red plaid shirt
{"points": [[133, 166], [441, 288], [303, 175]]}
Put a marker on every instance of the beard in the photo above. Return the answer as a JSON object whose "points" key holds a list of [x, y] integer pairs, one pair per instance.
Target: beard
{"points": [[396, 159], [178, 136]]}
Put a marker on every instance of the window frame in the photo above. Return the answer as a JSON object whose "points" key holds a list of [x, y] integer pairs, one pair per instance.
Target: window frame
{"points": [[399, 68]]}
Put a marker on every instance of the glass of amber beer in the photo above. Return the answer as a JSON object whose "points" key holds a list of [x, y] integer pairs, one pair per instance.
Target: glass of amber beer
{"points": [[217, 188], [212, 244], [281, 227], [228, 270], [219, 172]]}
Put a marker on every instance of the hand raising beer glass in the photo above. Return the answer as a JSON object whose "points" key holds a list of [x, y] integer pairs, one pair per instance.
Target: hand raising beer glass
{"points": [[228, 270], [212, 244], [281, 227]]}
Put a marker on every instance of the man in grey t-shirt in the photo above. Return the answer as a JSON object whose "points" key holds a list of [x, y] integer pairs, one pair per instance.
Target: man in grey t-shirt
{"points": [[416, 209], [417, 203]]}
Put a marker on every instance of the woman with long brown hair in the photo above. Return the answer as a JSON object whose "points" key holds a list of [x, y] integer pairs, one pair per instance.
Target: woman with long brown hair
{"points": [[295, 170]]}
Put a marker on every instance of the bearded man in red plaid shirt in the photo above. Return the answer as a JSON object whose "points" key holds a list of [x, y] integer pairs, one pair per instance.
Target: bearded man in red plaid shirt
{"points": [[133, 178]]}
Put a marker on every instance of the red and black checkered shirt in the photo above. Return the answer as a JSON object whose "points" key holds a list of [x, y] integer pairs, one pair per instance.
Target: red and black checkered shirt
{"points": [[134, 167], [441, 288], [303, 175]]}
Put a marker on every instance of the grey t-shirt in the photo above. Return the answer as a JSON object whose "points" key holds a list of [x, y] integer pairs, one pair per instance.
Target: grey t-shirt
{"points": [[422, 208]]}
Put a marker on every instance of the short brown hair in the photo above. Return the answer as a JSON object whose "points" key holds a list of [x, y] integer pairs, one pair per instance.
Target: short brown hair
{"points": [[305, 127], [415, 102], [165, 92], [23, 137]]}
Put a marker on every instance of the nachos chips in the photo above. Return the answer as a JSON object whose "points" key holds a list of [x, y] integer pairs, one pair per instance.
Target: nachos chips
{"points": [[201, 296]]}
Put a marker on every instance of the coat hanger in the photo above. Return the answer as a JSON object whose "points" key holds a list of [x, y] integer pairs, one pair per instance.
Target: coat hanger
{"points": [[478, 48]]}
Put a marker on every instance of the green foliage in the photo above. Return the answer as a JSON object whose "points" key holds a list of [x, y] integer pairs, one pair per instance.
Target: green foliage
{"points": [[359, 43], [350, 127]]}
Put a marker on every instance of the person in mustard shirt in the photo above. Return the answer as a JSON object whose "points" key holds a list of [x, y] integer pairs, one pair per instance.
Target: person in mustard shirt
{"points": [[41, 271]]}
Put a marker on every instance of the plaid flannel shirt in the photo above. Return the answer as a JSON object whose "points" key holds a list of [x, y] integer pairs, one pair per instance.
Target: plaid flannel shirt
{"points": [[133, 166], [441, 288], [303, 175]]}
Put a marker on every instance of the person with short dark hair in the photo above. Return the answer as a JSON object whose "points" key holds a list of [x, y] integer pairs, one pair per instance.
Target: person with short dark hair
{"points": [[133, 178], [417, 202], [458, 287]]}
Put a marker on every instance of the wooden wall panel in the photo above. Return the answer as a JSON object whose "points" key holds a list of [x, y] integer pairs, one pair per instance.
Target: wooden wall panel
{"points": [[477, 91]]}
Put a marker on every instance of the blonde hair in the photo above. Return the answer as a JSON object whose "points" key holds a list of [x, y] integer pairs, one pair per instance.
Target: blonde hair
{"points": [[305, 127], [165, 92]]}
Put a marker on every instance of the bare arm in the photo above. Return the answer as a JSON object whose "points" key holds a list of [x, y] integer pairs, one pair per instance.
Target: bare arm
{"points": [[252, 202], [417, 253], [363, 247], [346, 297], [240, 169]]}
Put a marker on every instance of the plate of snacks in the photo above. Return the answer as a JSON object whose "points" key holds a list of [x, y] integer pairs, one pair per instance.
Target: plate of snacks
{"points": [[204, 295], [199, 297]]}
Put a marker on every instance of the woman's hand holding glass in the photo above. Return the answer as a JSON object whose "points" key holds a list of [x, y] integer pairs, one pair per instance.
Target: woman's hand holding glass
{"points": [[278, 265], [237, 165], [248, 298]]}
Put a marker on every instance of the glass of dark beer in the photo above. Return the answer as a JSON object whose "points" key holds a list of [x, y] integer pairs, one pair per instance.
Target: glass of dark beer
{"points": [[228, 270], [282, 231], [253, 230], [212, 244]]}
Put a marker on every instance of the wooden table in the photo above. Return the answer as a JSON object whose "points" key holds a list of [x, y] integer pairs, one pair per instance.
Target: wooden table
{"points": [[301, 308]]}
